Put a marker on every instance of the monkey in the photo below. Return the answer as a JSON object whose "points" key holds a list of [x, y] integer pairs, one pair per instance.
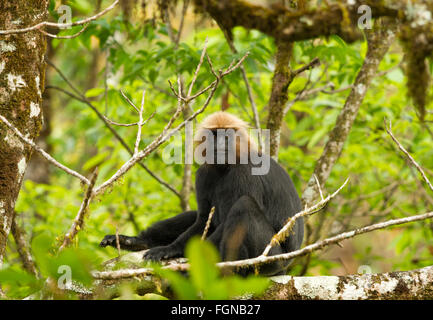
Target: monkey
{"points": [[250, 208]]}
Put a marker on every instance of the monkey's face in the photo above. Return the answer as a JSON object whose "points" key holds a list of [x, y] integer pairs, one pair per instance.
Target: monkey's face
{"points": [[223, 146]]}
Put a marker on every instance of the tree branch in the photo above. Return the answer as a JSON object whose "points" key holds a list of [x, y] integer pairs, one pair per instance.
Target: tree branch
{"points": [[23, 248], [43, 153], [410, 158], [60, 25], [339, 18], [321, 244]]}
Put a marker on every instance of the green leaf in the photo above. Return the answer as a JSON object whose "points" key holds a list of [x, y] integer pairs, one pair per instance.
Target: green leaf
{"points": [[202, 256], [18, 283], [94, 92], [396, 76], [317, 136], [96, 160], [183, 288]]}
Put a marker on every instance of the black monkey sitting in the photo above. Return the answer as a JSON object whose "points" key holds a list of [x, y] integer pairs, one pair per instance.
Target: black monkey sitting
{"points": [[250, 206]]}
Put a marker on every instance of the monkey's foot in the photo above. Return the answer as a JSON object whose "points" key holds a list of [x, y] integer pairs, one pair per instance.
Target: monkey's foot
{"points": [[162, 253]]}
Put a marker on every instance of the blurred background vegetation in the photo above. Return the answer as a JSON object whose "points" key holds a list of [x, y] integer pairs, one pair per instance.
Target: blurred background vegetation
{"points": [[130, 50]]}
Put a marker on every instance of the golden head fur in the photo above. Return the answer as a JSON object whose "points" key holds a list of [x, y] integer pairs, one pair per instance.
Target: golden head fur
{"points": [[225, 120]]}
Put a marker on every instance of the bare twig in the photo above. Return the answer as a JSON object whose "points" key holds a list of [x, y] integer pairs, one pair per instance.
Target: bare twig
{"points": [[114, 123], [306, 94], [140, 124], [129, 101], [312, 64], [411, 159], [65, 37], [338, 90], [194, 78], [39, 26], [298, 97], [168, 22], [218, 77], [208, 222], [43, 153], [121, 274], [117, 242], [79, 219], [199, 93], [23, 247], [318, 186], [68, 82]]}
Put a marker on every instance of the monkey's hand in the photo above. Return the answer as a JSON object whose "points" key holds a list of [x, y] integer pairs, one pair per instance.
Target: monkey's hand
{"points": [[162, 253], [125, 242], [110, 240]]}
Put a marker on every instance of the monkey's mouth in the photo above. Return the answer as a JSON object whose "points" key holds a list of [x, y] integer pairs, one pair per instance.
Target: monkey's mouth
{"points": [[224, 157]]}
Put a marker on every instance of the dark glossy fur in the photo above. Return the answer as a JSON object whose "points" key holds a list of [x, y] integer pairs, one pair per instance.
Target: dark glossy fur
{"points": [[249, 210]]}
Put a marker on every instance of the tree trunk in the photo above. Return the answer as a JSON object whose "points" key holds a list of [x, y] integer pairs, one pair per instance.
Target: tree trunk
{"points": [[39, 169], [379, 40], [22, 71], [279, 94]]}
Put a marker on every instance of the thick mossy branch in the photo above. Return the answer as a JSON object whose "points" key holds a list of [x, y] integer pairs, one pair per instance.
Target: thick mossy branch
{"points": [[338, 18], [418, 46], [288, 25], [405, 285]]}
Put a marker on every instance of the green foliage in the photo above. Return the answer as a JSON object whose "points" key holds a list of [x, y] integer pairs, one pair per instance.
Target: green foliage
{"points": [[18, 283], [204, 280], [73, 262]]}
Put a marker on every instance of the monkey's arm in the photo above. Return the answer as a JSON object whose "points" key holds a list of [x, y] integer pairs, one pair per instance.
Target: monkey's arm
{"points": [[161, 233], [177, 247]]}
